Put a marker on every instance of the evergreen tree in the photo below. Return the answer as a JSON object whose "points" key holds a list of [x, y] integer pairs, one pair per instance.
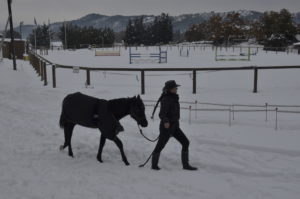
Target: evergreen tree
{"points": [[76, 36], [159, 31], [16, 34], [279, 26], [42, 36]]}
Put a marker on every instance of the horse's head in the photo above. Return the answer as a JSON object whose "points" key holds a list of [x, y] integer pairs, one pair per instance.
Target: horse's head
{"points": [[137, 111]]}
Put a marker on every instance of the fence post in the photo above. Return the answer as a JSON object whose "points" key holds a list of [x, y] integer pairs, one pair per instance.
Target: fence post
{"points": [[190, 114], [45, 74], [88, 77], [232, 111], [39, 67], [229, 117], [159, 54], [276, 122], [42, 70], [130, 61], [196, 107], [255, 80], [142, 82], [194, 81], [53, 76], [36, 64], [266, 112]]}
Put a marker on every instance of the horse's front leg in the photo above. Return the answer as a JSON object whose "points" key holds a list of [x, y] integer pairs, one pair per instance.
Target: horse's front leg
{"points": [[120, 146], [101, 145]]}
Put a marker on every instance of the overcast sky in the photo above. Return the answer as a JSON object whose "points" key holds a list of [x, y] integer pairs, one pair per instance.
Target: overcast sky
{"points": [[58, 10]]}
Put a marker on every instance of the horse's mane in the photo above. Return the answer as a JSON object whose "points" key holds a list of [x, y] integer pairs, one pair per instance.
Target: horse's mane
{"points": [[119, 101], [119, 107]]}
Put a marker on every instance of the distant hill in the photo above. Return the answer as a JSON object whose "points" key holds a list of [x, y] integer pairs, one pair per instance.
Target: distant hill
{"points": [[118, 22]]}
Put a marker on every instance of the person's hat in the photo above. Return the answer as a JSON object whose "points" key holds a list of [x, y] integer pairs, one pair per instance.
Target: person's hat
{"points": [[170, 84]]}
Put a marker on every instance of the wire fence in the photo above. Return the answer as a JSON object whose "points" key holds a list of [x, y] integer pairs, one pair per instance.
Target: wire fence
{"points": [[234, 108]]}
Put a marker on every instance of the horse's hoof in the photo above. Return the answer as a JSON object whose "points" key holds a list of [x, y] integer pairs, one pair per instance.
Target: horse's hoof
{"points": [[61, 147], [100, 160], [71, 155], [127, 163]]}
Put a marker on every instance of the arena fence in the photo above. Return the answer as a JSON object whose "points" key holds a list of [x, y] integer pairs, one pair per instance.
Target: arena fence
{"points": [[39, 63], [232, 109]]}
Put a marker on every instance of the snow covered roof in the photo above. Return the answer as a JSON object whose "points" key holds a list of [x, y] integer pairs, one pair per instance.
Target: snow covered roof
{"points": [[56, 43], [8, 39], [297, 44]]}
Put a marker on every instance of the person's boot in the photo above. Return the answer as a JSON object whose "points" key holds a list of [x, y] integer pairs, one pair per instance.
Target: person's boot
{"points": [[155, 158], [185, 161]]}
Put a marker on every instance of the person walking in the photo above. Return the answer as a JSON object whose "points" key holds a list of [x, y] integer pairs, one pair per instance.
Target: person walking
{"points": [[169, 125]]}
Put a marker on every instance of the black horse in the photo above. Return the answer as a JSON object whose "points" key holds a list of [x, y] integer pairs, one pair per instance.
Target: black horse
{"points": [[92, 112]]}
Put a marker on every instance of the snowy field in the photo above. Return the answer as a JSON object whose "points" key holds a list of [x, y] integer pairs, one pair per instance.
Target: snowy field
{"points": [[248, 160], [198, 57]]}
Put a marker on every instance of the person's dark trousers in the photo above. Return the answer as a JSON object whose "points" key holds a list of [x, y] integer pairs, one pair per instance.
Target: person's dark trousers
{"points": [[164, 137]]}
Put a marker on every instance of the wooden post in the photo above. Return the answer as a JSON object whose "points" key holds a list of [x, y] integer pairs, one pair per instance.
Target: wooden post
{"points": [[88, 77], [255, 80], [12, 47], [53, 76], [276, 118], [39, 67], [45, 74], [35, 64], [194, 81], [130, 61], [142, 82], [190, 114], [229, 122], [42, 70]]}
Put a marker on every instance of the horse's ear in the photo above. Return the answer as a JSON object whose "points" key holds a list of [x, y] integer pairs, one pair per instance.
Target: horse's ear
{"points": [[139, 97]]}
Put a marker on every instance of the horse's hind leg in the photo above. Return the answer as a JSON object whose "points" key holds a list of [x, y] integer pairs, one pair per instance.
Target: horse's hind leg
{"points": [[68, 130], [120, 146], [101, 145]]}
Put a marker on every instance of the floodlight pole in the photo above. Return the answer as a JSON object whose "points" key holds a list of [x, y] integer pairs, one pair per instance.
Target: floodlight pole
{"points": [[66, 45], [21, 24], [12, 47]]}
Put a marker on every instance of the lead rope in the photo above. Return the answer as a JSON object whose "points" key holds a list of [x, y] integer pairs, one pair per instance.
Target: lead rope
{"points": [[152, 117], [141, 131]]}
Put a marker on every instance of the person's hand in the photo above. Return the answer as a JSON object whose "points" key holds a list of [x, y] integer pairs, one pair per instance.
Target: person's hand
{"points": [[167, 125]]}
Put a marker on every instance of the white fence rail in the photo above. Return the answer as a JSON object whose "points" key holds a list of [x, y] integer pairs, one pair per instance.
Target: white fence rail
{"points": [[233, 108]]}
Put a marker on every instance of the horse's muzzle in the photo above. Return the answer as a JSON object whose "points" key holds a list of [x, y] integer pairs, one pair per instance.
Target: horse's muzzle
{"points": [[144, 123]]}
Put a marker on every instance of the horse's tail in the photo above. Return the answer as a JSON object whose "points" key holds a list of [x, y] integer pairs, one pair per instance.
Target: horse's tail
{"points": [[62, 119]]}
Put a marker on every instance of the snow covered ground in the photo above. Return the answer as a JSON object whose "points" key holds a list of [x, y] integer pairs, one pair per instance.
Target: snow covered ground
{"points": [[198, 57], [248, 160]]}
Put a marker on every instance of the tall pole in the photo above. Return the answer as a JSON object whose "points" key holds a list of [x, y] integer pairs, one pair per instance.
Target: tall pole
{"points": [[36, 26], [12, 47], [49, 33], [35, 40], [66, 46], [21, 24]]}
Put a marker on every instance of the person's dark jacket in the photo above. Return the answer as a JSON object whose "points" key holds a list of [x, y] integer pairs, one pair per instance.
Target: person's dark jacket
{"points": [[170, 108]]}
